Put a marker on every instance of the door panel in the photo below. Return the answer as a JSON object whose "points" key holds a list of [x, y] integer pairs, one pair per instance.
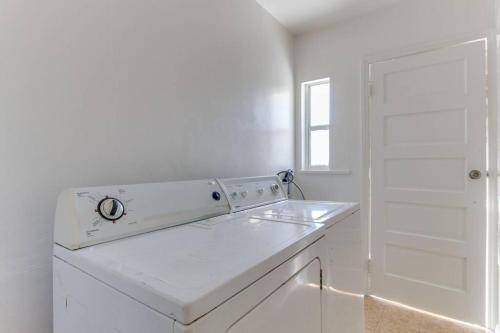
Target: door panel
{"points": [[428, 131], [444, 126]]}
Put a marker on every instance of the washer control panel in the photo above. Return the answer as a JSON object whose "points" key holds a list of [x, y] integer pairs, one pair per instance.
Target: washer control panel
{"points": [[246, 193], [89, 216]]}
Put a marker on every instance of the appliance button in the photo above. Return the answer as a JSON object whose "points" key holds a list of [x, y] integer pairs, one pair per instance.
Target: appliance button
{"points": [[216, 196], [275, 188]]}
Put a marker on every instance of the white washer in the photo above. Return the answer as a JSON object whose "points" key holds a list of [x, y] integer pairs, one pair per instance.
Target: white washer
{"points": [[346, 274], [133, 259]]}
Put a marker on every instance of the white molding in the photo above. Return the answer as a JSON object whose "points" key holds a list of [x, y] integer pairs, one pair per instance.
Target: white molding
{"points": [[493, 278], [344, 172], [365, 166], [425, 47], [317, 82]]}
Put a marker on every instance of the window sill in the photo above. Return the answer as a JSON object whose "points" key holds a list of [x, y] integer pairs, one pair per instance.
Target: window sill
{"points": [[344, 172]]}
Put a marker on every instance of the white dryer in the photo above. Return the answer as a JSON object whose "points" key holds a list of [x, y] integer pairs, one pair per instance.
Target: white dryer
{"points": [[168, 257], [345, 261]]}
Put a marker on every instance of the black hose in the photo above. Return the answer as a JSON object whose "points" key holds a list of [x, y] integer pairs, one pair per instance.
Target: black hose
{"points": [[287, 177]]}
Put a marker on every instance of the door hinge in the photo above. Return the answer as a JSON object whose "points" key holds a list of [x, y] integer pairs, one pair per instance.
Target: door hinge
{"points": [[371, 88], [369, 266], [321, 279]]}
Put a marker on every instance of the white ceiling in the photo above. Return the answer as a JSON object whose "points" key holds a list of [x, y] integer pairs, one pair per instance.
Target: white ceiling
{"points": [[305, 15]]}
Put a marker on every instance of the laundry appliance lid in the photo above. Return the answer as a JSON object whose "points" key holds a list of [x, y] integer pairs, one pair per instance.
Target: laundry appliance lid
{"points": [[304, 211], [186, 271]]}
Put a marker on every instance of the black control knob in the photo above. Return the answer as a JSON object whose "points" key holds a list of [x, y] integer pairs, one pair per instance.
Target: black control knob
{"points": [[216, 196], [110, 209]]}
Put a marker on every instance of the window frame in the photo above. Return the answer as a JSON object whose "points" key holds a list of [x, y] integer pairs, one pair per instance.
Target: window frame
{"points": [[307, 128]]}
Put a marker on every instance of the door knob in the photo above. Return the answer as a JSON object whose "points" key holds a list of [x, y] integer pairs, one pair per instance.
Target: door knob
{"points": [[475, 174]]}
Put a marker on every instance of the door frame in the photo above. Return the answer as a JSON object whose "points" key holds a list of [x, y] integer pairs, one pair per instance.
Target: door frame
{"points": [[492, 274]]}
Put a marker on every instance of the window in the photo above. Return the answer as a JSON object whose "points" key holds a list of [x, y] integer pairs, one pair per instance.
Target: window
{"points": [[316, 125]]}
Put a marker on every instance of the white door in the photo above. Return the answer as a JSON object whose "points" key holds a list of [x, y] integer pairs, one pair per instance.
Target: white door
{"points": [[428, 118]]}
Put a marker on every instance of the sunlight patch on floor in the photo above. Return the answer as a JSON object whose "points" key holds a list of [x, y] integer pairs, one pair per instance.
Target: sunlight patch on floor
{"points": [[385, 317]]}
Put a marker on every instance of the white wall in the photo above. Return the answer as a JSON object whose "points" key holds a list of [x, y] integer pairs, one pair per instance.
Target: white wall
{"points": [[122, 91], [338, 52]]}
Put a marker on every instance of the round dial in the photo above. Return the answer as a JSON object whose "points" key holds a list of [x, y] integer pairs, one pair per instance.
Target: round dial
{"points": [[111, 209], [275, 188]]}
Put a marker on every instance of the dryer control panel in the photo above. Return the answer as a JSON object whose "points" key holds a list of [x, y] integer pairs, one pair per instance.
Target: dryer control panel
{"points": [[93, 215], [246, 193]]}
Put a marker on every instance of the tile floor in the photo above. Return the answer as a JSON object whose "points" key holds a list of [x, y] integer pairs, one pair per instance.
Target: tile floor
{"points": [[384, 317]]}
